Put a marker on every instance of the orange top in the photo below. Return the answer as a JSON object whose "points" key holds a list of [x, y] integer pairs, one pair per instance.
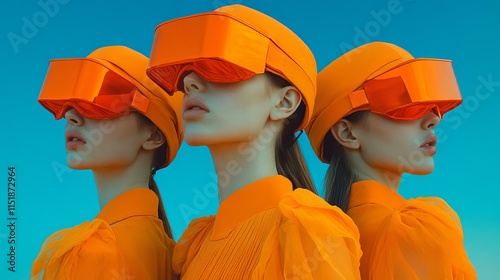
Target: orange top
{"points": [[407, 239], [267, 231], [125, 241]]}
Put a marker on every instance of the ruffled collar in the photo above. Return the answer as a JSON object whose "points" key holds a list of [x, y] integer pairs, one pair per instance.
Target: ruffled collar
{"points": [[370, 191], [256, 197], [134, 202]]}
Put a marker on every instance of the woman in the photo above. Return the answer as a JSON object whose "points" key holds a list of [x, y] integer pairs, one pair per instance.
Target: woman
{"points": [[377, 108], [124, 128], [249, 85]]}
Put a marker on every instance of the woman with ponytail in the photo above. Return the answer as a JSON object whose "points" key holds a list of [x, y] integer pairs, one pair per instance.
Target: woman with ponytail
{"points": [[377, 109], [249, 85], [124, 128]]}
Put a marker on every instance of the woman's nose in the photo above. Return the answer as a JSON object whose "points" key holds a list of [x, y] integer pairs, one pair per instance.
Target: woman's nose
{"points": [[431, 120], [73, 117], [193, 83]]}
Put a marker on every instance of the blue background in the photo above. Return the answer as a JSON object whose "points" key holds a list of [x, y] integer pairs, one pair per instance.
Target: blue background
{"points": [[50, 196]]}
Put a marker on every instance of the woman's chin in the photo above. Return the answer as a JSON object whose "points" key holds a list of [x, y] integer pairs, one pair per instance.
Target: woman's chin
{"points": [[77, 166], [422, 170]]}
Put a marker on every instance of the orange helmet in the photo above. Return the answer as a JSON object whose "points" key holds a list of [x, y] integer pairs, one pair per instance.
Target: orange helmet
{"points": [[232, 44], [109, 82], [384, 79]]}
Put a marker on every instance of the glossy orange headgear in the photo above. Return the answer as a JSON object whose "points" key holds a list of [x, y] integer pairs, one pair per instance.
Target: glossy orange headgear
{"points": [[384, 79], [232, 44], [109, 82]]}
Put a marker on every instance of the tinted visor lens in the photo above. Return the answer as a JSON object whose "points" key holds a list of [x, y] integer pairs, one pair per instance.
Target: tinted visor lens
{"points": [[212, 70], [218, 47], [411, 90], [87, 86]]}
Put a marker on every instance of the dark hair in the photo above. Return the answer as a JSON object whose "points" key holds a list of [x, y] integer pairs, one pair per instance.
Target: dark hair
{"points": [[162, 214], [158, 160], [339, 176], [289, 159]]}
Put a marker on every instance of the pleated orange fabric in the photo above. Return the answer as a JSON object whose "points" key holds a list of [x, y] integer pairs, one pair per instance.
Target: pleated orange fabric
{"points": [[418, 238], [268, 231], [125, 241]]}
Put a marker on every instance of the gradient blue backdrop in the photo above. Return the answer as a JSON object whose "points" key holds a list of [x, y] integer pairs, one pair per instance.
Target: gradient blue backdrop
{"points": [[50, 196]]}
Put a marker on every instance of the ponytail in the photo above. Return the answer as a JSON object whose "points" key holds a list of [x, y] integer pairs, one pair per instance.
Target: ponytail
{"points": [[339, 176], [162, 215], [159, 159], [289, 159]]}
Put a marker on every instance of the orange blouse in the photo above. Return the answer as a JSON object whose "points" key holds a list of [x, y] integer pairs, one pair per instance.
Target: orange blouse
{"points": [[125, 241], [268, 231], [407, 239]]}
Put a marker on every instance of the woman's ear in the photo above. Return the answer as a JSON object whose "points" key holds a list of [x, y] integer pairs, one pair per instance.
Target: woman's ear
{"points": [[155, 139], [343, 132], [286, 101]]}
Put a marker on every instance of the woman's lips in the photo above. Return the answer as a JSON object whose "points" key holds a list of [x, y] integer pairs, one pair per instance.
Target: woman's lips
{"points": [[74, 140], [429, 145], [193, 108]]}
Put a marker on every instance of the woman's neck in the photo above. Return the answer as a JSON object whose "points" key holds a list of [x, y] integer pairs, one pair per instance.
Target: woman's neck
{"points": [[364, 171], [111, 182], [239, 164]]}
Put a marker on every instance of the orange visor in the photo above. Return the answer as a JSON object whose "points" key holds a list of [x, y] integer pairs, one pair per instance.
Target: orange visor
{"points": [[217, 47], [384, 79], [89, 87], [229, 45], [410, 91]]}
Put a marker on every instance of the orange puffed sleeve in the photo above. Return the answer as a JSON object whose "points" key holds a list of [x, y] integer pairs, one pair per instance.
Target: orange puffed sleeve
{"points": [[87, 251], [317, 240], [408, 239], [423, 240], [188, 245]]}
